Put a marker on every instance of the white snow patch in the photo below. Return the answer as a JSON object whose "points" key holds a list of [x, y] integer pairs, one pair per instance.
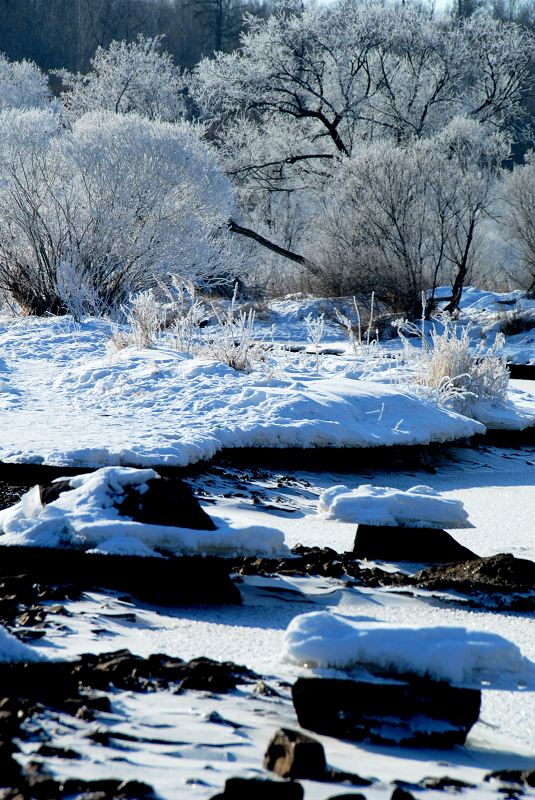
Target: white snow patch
{"points": [[77, 405], [12, 650], [462, 657], [86, 517], [417, 507]]}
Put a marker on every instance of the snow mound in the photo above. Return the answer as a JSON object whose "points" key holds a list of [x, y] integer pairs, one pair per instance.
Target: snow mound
{"points": [[12, 650], [87, 518], [462, 657], [72, 403], [419, 507]]}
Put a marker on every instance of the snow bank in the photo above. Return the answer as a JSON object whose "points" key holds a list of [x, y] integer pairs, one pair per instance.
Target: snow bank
{"points": [[460, 656], [419, 507], [79, 406], [12, 650], [86, 518]]}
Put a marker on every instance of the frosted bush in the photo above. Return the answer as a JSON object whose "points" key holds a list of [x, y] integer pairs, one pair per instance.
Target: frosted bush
{"points": [[188, 313], [146, 320], [22, 85], [91, 213], [232, 340], [125, 77], [314, 327], [450, 368]]}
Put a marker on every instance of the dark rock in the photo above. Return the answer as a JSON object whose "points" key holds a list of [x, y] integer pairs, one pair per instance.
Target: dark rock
{"points": [[515, 776], [135, 790], [416, 712], [401, 794], [50, 492], [525, 372], [421, 545], [260, 789], [292, 754], [347, 797], [167, 501], [49, 751], [213, 676], [503, 572], [446, 783], [170, 581]]}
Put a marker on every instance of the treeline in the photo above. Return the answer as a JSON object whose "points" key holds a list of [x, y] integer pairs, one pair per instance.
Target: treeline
{"points": [[59, 34]]}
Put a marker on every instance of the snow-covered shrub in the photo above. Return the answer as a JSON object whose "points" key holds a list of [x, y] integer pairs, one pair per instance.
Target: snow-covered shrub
{"points": [[145, 317], [118, 202], [314, 328], [232, 339], [229, 339], [125, 77], [188, 313], [450, 367], [22, 85]]}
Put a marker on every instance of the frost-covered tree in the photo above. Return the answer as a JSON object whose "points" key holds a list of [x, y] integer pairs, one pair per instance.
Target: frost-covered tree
{"points": [[311, 87], [108, 207], [400, 218], [128, 76], [519, 196], [22, 85]]}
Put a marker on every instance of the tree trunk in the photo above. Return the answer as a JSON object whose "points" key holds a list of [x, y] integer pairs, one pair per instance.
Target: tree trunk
{"points": [[275, 248]]}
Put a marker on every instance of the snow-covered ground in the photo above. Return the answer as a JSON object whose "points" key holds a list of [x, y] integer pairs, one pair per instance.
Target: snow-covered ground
{"points": [[67, 398], [183, 748]]}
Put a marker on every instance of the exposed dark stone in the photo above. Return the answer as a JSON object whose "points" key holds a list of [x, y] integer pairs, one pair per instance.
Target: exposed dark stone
{"points": [[446, 784], [57, 752], [50, 492], [516, 776], [59, 683], [421, 545], [525, 372], [260, 789], [347, 797], [503, 572], [401, 794], [65, 573], [292, 754], [418, 712], [167, 501]]}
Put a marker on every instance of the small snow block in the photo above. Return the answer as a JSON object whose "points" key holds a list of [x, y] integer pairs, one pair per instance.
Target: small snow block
{"points": [[166, 501], [292, 754], [260, 789], [421, 545], [419, 712]]}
